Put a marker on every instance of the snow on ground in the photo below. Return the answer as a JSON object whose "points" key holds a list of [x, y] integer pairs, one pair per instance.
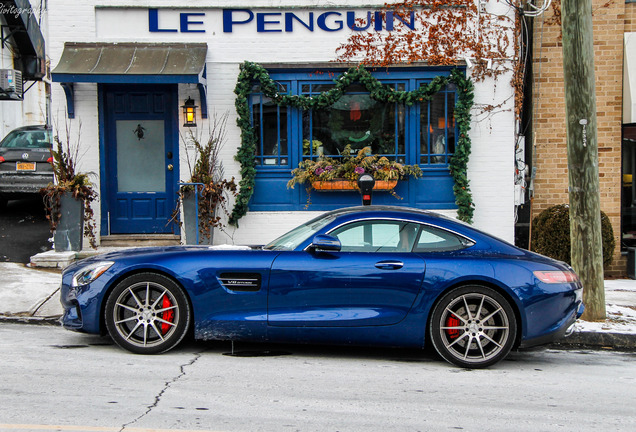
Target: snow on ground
{"points": [[620, 297]]}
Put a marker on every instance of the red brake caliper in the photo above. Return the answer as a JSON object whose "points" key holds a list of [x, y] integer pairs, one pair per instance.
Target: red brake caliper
{"points": [[167, 315], [452, 321]]}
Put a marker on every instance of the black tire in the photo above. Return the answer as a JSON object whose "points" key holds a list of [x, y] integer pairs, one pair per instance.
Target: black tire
{"points": [[473, 327], [147, 313]]}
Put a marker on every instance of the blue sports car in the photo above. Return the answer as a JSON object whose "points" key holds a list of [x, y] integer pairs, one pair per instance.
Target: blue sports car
{"points": [[375, 275]]}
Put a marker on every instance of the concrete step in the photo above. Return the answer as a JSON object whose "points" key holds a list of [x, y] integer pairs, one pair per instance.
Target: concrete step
{"points": [[139, 240]]}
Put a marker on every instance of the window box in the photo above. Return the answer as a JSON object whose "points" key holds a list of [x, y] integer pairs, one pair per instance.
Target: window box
{"points": [[338, 185]]}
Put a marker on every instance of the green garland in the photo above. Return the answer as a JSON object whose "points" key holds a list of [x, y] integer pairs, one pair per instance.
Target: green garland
{"points": [[252, 72]]}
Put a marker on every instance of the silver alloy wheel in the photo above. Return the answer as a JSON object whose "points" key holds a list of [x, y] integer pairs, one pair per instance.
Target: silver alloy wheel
{"points": [[146, 314], [473, 327]]}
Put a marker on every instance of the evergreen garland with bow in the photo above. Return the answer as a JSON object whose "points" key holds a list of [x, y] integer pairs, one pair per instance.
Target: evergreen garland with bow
{"points": [[252, 72]]}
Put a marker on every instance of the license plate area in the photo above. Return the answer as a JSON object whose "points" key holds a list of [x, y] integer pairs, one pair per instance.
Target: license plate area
{"points": [[25, 166]]}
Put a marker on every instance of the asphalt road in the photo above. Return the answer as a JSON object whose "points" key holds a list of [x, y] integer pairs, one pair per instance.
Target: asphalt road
{"points": [[24, 230], [55, 380]]}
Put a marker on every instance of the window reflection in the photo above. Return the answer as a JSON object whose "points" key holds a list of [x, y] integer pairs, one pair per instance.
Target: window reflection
{"points": [[356, 120]]}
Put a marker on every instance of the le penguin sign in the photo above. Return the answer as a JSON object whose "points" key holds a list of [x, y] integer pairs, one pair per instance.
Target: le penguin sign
{"points": [[280, 21]]}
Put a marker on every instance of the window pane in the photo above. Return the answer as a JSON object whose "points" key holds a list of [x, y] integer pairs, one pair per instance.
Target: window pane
{"points": [[358, 121], [377, 236], [437, 240], [437, 128], [270, 125]]}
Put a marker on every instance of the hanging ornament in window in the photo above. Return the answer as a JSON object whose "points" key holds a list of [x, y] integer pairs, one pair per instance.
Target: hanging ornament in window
{"points": [[139, 132]]}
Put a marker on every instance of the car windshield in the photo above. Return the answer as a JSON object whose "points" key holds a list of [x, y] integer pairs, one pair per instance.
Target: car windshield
{"points": [[25, 139], [295, 237]]}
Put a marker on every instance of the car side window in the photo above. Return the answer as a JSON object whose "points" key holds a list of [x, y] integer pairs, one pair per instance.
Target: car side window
{"points": [[436, 240], [377, 236]]}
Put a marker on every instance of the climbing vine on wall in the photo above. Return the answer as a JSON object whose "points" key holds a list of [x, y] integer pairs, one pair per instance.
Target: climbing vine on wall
{"points": [[251, 73]]}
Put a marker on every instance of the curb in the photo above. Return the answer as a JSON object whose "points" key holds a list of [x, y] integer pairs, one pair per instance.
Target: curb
{"points": [[16, 319], [598, 340]]}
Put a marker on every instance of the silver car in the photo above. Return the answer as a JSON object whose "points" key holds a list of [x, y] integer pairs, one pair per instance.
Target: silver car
{"points": [[25, 162]]}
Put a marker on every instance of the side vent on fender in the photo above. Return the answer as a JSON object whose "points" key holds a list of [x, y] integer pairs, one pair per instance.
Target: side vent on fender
{"points": [[241, 281]]}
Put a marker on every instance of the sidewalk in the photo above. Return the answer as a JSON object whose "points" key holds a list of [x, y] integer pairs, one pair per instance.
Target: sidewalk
{"points": [[31, 295]]}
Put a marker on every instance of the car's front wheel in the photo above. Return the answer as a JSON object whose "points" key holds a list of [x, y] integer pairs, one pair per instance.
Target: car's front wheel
{"points": [[473, 327], [147, 313]]}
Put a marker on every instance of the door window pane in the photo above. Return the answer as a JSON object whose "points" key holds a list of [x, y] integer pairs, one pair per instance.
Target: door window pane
{"points": [[141, 163]]}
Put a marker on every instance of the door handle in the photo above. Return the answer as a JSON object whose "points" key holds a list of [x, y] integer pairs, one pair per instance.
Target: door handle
{"points": [[170, 167], [389, 265]]}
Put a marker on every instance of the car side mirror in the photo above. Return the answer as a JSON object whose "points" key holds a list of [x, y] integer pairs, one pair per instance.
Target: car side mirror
{"points": [[325, 243]]}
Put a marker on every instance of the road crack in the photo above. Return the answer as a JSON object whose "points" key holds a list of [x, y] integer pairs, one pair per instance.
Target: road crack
{"points": [[165, 388]]}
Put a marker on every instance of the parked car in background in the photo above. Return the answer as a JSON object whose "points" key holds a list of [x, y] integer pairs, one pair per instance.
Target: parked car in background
{"points": [[375, 275], [25, 162]]}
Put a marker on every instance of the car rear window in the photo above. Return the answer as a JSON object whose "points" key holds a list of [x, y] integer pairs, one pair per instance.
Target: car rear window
{"points": [[27, 139]]}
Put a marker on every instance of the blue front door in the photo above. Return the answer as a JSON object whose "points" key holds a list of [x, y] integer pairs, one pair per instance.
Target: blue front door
{"points": [[141, 152]]}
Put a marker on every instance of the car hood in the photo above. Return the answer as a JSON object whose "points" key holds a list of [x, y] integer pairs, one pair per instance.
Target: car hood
{"points": [[151, 253]]}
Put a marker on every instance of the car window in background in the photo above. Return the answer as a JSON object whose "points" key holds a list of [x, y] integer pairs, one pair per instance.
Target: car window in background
{"points": [[21, 139], [437, 240], [377, 236]]}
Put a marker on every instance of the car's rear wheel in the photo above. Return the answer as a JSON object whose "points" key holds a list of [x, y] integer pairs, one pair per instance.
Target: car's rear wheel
{"points": [[147, 313], [473, 327]]}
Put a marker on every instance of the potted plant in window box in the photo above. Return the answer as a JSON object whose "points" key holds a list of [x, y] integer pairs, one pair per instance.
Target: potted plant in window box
{"points": [[329, 174], [206, 192], [68, 199]]}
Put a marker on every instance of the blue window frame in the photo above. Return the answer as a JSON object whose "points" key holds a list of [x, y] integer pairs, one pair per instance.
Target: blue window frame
{"points": [[423, 134]]}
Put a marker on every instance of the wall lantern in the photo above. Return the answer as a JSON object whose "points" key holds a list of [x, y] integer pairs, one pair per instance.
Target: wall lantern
{"points": [[189, 113]]}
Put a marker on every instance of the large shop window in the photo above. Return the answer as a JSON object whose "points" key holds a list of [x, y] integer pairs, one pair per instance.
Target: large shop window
{"points": [[628, 237], [421, 134]]}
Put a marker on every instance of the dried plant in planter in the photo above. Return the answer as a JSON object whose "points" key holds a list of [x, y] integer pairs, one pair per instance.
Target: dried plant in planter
{"points": [[207, 170], [65, 156]]}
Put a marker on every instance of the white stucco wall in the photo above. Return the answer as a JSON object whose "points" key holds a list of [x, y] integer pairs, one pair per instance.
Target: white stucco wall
{"points": [[490, 169]]}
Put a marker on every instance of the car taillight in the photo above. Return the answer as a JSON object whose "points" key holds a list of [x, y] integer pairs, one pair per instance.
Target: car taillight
{"points": [[556, 276], [2, 159], [50, 160]]}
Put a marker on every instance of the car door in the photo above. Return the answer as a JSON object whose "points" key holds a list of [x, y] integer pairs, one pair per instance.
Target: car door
{"points": [[372, 281]]}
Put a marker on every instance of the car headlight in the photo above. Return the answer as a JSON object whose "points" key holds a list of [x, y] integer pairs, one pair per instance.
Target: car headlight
{"points": [[91, 272]]}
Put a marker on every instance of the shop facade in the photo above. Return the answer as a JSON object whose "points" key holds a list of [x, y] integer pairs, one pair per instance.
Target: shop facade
{"points": [[125, 73]]}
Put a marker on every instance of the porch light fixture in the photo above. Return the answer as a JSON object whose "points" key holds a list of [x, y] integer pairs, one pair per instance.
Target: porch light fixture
{"points": [[189, 113]]}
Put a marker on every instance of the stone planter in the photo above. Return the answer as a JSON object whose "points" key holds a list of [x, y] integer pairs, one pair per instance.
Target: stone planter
{"points": [[69, 232]]}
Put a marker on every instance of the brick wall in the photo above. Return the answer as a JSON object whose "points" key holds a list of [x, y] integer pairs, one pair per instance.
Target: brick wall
{"points": [[550, 154]]}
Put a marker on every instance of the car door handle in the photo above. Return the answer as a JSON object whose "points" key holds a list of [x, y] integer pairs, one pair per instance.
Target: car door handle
{"points": [[389, 265]]}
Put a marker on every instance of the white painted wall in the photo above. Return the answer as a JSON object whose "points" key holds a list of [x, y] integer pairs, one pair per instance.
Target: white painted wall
{"points": [[491, 165]]}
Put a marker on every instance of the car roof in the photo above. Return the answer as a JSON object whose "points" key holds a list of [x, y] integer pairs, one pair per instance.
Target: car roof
{"points": [[32, 128], [389, 209]]}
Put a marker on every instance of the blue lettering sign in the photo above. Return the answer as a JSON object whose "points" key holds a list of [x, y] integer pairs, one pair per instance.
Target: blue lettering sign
{"points": [[322, 22], [153, 22], [228, 19], [351, 21], [410, 25], [261, 22], [289, 21], [185, 23]]}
